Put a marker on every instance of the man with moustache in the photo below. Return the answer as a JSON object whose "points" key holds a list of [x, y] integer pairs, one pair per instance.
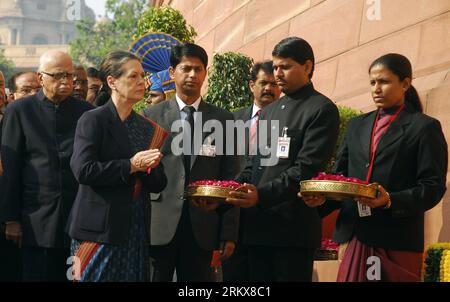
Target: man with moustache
{"points": [[38, 185], [280, 231], [23, 84], [265, 92]]}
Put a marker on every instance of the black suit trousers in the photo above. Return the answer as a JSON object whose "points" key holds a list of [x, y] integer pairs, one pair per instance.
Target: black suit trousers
{"points": [[10, 260], [235, 268], [45, 264], [280, 264], [192, 263]]}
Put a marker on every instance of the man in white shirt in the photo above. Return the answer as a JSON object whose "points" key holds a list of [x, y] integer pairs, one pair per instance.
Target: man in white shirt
{"points": [[265, 91], [183, 236]]}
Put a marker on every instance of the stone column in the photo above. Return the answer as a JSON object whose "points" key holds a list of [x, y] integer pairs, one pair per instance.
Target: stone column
{"points": [[19, 37], [12, 36]]}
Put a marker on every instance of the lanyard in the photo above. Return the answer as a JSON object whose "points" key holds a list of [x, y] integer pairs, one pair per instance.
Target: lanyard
{"points": [[372, 150]]}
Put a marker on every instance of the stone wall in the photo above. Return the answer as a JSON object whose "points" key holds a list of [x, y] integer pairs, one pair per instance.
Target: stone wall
{"points": [[346, 36], [26, 57], [29, 22], [49, 19]]}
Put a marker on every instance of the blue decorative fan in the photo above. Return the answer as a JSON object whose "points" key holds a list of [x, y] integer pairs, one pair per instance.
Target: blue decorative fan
{"points": [[154, 51]]}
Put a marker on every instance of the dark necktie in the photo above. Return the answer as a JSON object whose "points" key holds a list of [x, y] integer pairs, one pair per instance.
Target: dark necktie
{"points": [[189, 110]]}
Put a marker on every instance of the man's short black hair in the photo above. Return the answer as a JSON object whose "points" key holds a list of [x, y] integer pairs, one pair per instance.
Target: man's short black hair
{"points": [[266, 66], [12, 81], [93, 72], [187, 50], [297, 49]]}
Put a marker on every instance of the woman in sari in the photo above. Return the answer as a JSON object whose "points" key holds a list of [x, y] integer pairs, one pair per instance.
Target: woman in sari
{"points": [[405, 152], [117, 163]]}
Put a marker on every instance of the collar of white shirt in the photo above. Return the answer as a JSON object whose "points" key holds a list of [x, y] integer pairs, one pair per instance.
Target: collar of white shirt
{"points": [[182, 104], [255, 110]]}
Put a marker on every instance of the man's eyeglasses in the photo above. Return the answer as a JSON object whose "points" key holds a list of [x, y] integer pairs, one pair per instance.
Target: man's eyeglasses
{"points": [[59, 75]]}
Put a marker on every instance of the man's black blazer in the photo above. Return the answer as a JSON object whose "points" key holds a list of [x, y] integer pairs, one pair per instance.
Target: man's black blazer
{"points": [[244, 115], [410, 163], [38, 185], [281, 218], [101, 164]]}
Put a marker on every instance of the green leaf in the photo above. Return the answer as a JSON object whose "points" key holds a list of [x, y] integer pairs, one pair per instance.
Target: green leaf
{"points": [[166, 19], [96, 40], [6, 66], [228, 81], [345, 114]]}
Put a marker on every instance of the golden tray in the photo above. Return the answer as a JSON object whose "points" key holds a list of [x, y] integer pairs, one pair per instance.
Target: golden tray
{"points": [[338, 190], [212, 194]]}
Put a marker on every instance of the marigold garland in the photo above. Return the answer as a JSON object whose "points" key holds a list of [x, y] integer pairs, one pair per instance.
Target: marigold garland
{"points": [[437, 263]]}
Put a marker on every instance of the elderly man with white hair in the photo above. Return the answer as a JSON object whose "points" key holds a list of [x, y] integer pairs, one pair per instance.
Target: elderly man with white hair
{"points": [[38, 185]]}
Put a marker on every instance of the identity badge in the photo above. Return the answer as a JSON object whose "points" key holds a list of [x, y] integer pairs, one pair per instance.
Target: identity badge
{"points": [[208, 149], [283, 145], [364, 210]]}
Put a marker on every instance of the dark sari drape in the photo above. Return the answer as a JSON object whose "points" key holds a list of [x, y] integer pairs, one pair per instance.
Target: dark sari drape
{"points": [[395, 266]]}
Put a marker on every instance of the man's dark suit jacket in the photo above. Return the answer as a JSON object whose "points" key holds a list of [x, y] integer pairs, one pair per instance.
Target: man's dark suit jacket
{"points": [[10, 254], [281, 218], [38, 185], [410, 163], [208, 228], [245, 115], [101, 164]]}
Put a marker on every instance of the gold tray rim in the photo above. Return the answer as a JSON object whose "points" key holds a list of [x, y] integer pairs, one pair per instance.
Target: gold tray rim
{"points": [[363, 188], [198, 186], [214, 197]]}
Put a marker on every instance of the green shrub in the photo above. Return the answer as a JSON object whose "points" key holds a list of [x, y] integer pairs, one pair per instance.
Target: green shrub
{"points": [[6, 66], [228, 82], [167, 20], [345, 114]]}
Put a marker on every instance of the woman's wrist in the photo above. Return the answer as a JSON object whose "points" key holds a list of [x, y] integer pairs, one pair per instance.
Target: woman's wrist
{"points": [[133, 168]]}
